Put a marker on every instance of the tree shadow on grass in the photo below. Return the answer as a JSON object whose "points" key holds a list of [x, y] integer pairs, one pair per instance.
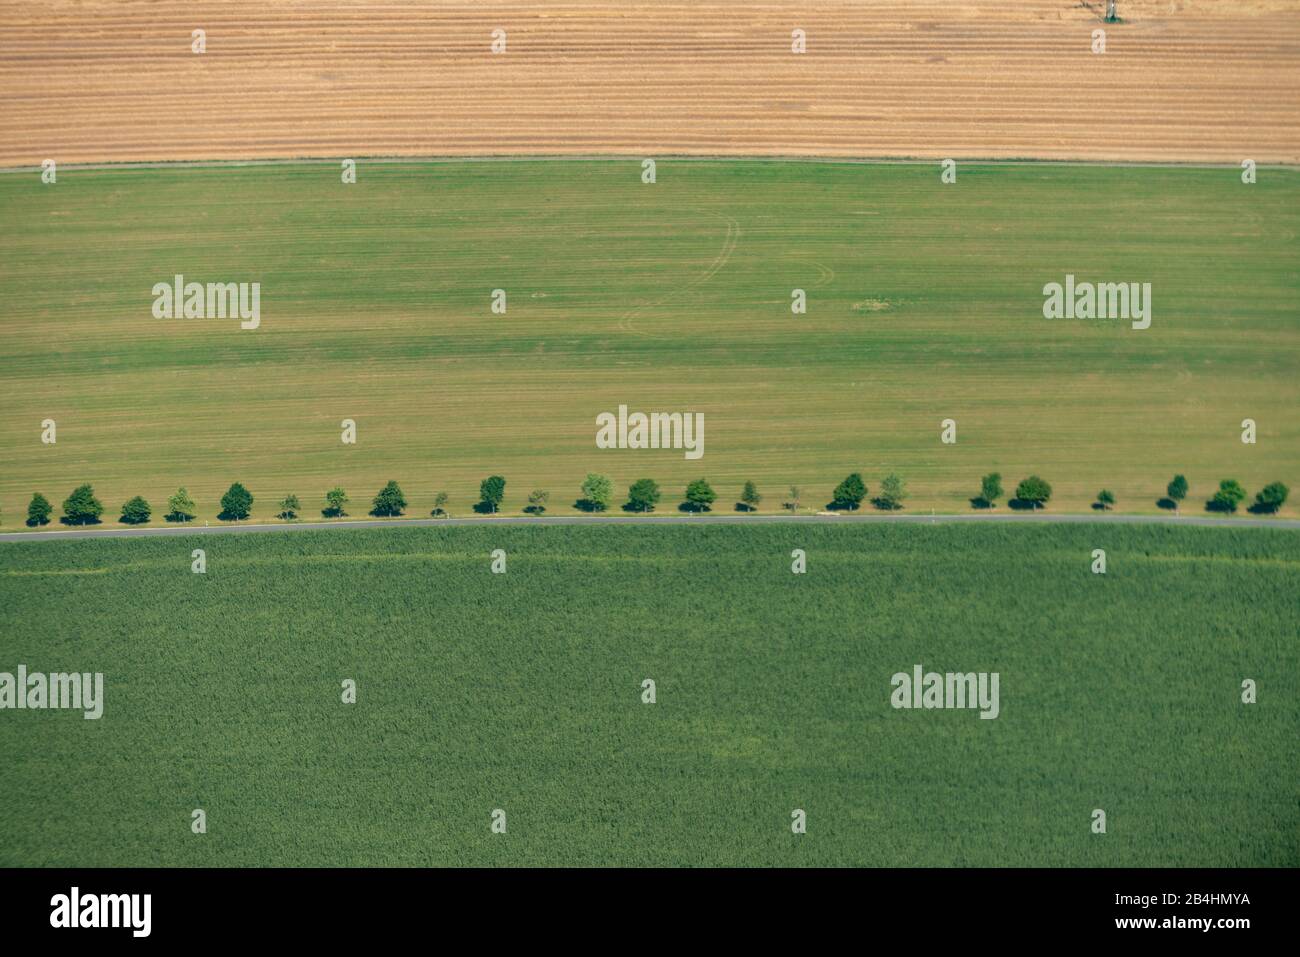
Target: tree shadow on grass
{"points": [[1166, 503], [981, 503], [77, 522], [1025, 505]]}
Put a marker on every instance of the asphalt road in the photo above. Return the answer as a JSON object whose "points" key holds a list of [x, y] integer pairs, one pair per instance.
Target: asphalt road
{"points": [[52, 535]]}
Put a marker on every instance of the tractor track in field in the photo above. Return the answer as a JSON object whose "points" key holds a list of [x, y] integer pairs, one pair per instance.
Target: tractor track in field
{"points": [[626, 322]]}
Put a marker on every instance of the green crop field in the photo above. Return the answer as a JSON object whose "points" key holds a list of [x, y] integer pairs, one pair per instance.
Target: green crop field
{"points": [[924, 304], [522, 692]]}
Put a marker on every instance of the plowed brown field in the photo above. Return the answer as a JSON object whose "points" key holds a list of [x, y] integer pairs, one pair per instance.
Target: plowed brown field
{"points": [[97, 81]]}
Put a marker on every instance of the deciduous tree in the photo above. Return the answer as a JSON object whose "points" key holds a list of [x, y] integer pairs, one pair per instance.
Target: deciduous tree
{"points": [[892, 492], [1034, 490], [236, 503], [180, 507], [796, 493], [597, 492], [335, 499], [991, 489], [700, 496], [643, 495], [390, 501], [39, 510], [1177, 491], [81, 507], [850, 492], [135, 512], [1228, 497], [1271, 497], [492, 491]]}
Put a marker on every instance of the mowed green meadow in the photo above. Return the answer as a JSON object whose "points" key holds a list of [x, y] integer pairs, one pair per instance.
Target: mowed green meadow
{"points": [[924, 303], [522, 692]]}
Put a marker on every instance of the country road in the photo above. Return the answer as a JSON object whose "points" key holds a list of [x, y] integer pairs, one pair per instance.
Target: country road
{"points": [[713, 519]]}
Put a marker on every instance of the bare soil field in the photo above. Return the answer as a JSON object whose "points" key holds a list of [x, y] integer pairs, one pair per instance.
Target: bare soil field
{"points": [[1181, 80]]}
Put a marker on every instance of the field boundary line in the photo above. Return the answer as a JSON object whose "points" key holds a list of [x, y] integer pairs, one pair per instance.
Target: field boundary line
{"points": [[633, 158]]}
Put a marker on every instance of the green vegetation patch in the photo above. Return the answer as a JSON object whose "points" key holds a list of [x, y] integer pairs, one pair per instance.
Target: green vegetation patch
{"points": [[523, 692], [924, 303]]}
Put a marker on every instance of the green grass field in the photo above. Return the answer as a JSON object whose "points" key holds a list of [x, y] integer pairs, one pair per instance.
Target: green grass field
{"points": [[522, 692], [924, 304]]}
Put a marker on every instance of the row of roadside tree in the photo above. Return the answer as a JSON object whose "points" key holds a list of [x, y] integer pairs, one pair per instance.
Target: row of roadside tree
{"points": [[643, 495]]}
